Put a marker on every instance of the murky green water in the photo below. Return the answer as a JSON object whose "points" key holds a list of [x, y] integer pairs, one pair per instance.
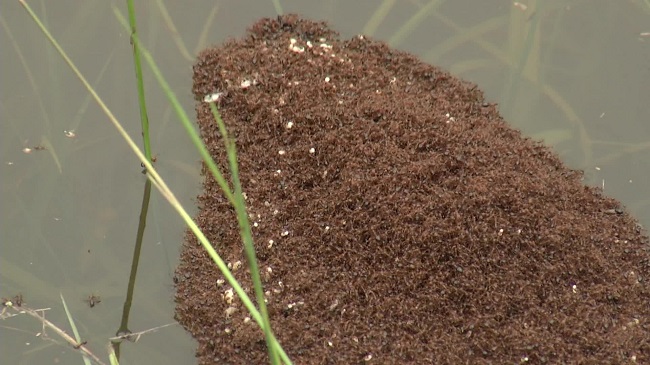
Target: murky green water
{"points": [[576, 74]]}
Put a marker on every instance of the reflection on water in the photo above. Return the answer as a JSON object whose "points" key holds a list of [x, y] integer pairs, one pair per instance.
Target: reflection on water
{"points": [[575, 75]]}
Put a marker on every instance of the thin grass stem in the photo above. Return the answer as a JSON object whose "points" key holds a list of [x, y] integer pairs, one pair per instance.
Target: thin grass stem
{"points": [[277, 6], [205, 30], [412, 23], [247, 237], [144, 116], [174, 31], [378, 17], [75, 331]]}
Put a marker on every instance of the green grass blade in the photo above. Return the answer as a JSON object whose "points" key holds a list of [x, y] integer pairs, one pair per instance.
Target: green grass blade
{"points": [[174, 31], [45, 142], [205, 30], [277, 6], [144, 116], [74, 327], [247, 237], [112, 357]]}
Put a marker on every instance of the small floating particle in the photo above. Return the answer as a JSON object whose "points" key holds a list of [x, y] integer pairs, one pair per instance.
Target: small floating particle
{"points": [[367, 357], [230, 311], [70, 133], [27, 150], [327, 79], [281, 152], [289, 125], [271, 242], [334, 305], [312, 150], [229, 295], [245, 84], [284, 234], [211, 98], [236, 265], [295, 48], [520, 6]]}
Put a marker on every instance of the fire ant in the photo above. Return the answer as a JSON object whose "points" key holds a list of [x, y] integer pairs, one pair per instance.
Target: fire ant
{"points": [[93, 300]]}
